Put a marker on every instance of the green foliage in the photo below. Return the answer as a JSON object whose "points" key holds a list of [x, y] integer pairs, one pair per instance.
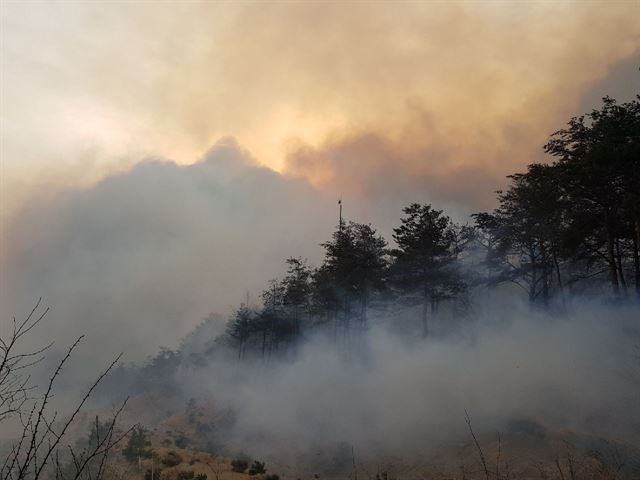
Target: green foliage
{"points": [[383, 476], [239, 465], [182, 441], [572, 222], [171, 459], [257, 468], [577, 218], [599, 169], [137, 445], [355, 264], [157, 474], [526, 231], [191, 411], [99, 430], [185, 475], [241, 326], [424, 268], [297, 284]]}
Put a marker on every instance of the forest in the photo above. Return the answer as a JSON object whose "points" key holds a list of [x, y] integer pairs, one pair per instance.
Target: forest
{"points": [[570, 227], [562, 232]]}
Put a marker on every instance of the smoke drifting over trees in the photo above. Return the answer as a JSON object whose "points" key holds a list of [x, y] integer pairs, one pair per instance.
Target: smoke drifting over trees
{"points": [[527, 312], [569, 227]]}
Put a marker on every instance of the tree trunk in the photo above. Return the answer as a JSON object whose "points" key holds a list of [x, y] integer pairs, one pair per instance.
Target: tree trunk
{"points": [[534, 274], [425, 319], [556, 264], [559, 277], [545, 274], [363, 311], [611, 259], [636, 265], [296, 317], [623, 281], [636, 247]]}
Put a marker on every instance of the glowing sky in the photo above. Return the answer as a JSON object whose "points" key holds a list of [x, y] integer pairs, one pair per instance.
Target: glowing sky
{"points": [[428, 89]]}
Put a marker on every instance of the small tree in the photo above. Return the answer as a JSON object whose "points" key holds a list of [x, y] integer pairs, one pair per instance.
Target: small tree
{"points": [[257, 468], [239, 465], [599, 156], [528, 229], [356, 263], [240, 327], [37, 453], [137, 445], [424, 263], [297, 289]]}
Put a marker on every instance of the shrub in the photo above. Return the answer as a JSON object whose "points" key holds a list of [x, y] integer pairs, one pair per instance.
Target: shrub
{"points": [[272, 476], [171, 459], [185, 475], [202, 428], [239, 465], [201, 476], [257, 468], [137, 445], [156, 474], [182, 441]]}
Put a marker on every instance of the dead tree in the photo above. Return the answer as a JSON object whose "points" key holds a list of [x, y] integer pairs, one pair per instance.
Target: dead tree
{"points": [[39, 449]]}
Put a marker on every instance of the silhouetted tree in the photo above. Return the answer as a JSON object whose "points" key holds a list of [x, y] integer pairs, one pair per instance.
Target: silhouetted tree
{"points": [[424, 270], [525, 231], [273, 322], [39, 450], [240, 327], [599, 156], [325, 298], [355, 259], [297, 289], [137, 446]]}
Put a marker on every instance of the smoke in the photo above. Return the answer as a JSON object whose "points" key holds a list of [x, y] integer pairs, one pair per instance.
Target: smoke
{"points": [[446, 89], [138, 260], [431, 102], [399, 397]]}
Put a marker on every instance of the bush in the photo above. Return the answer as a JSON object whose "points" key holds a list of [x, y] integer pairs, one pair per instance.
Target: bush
{"points": [[202, 428], [156, 474], [137, 445], [239, 465], [272, 476], [257, 468], [201, 476], [171, 459], [182, 441], [185, 475]]}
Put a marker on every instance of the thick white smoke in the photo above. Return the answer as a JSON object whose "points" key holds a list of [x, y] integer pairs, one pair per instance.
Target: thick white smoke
{"points": [[138, 260], [576, 371]]}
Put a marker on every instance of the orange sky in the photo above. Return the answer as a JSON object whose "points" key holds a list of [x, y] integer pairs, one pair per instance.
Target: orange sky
{"points": [[428, 90]]}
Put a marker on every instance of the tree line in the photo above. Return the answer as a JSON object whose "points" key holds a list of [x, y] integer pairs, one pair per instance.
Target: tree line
{"points": [[568, 226]]}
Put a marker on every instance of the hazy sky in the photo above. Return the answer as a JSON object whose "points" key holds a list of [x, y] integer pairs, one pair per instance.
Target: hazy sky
{"points": [[380, 102], [433, 90]]}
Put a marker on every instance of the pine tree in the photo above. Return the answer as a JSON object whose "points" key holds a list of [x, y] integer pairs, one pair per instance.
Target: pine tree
{"points": [[356, 262], [424, 263]]}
